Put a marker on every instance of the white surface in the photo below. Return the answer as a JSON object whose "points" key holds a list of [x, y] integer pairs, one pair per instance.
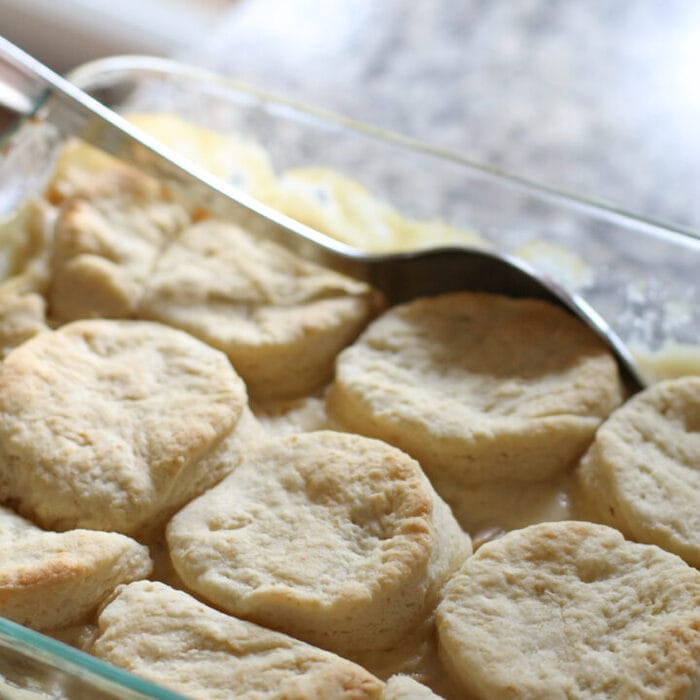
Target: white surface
{"points": [[596, 97]]}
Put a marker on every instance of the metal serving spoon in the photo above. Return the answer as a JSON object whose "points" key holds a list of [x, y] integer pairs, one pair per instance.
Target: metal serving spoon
{"points": [[28, 87]]}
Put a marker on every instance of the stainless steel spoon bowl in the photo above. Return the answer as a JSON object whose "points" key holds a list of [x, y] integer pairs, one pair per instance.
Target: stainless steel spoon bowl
{"points": [[28, 87]]}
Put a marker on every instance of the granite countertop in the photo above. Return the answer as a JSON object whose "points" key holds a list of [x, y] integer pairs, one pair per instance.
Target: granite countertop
{"points": [[599, 98]]}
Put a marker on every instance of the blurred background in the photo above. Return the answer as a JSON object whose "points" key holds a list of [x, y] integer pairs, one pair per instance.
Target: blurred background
{"points": [[600, 98]]}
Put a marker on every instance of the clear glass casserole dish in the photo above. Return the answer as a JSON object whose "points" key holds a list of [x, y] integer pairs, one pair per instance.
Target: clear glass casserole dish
{"points": [[639, 275]]}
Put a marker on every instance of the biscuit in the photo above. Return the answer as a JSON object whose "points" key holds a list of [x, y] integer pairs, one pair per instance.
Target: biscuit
{"points": [[642, 473], [50, 579], [402, 687], [112, 225], [25, 247], [78, 170], [217, 463], [24, 253], [571, 609], [333, 538], [280, 319], [172, 639], [104, 424], [22, 316], [478, 387], [222, 460]]}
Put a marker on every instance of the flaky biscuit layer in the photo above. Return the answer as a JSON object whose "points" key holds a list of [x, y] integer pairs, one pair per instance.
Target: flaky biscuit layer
{"points": [[334, 538], [103, 423], [172, 639], [642, 473], [571, 609], [478, 387]]}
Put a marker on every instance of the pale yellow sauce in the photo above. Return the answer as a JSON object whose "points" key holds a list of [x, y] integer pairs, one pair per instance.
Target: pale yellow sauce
{"points": [[319, 197], [670, 361]]}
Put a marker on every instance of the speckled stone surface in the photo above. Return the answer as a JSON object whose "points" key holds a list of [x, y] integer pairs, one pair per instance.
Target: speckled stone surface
{"points": [[600, 97]]}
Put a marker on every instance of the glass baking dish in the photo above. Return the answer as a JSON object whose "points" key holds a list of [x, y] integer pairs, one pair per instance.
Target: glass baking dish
{"points": [[36, 667], [639, 275]]}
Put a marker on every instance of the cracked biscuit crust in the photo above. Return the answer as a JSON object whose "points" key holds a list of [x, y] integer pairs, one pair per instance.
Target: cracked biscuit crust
{"points": [[571, 609], [642, 472], [171, 638], [104, 423], [113, 222], [54, 579], [280, 319], [128, 246], [478, 387], [333, 538]]}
